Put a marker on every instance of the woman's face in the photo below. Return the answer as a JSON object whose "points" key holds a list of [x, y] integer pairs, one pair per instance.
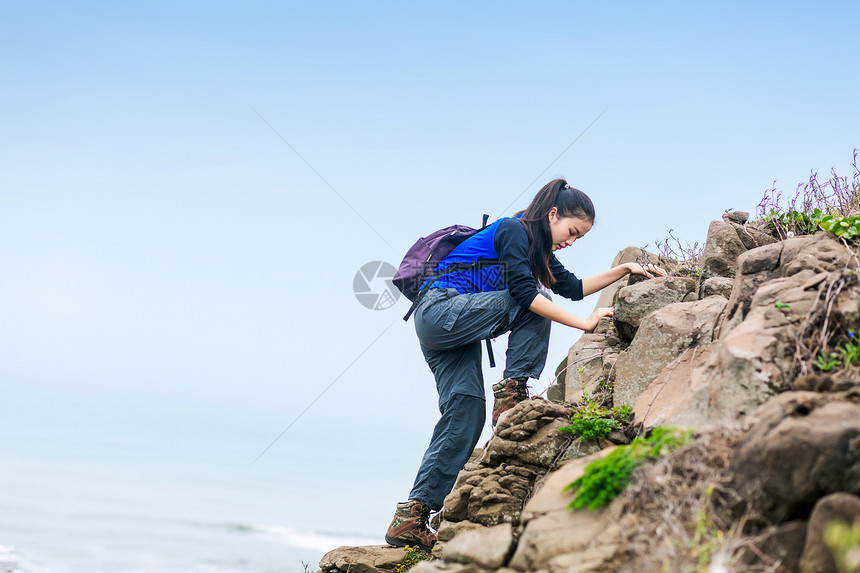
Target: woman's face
{"points": [[565, 230]]}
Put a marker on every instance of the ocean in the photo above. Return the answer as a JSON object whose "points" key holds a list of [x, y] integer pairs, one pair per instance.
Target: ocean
{"points": [[88, 486]]}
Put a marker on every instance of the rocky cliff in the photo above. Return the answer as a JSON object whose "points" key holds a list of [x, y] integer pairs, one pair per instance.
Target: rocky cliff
{"points": [[748, 348]]}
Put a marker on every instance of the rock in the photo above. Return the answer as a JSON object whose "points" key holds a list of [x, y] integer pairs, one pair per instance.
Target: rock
{"points": [[846, 310], [586, 365], [744, 367], [820, 252], [823, 382], [529, 435], [489, 495], [635, 302], [447, 530], [487, 547], [722, 249], [363, 559], [671, 391], [551, 530], [802, 448], [628, 255], [782, 544], [753, 235], [438, 566], [662, 336], [494, 488], [737, 217], [809, 255], [817, 557], [555, 393], [579, 449], [716, 286]]}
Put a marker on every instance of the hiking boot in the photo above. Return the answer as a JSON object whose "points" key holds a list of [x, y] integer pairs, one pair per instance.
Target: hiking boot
{"points": [[508, 393], [409, 526]]}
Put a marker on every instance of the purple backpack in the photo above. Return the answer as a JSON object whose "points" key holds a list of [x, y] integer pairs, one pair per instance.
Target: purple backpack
{"points": [[422, 258]]}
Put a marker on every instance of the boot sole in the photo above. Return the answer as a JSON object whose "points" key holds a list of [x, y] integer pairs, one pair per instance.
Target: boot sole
{"points": [[400, 543]]}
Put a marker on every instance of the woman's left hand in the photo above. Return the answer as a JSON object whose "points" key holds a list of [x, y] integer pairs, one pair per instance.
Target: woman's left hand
{"points": [[648, 270]]}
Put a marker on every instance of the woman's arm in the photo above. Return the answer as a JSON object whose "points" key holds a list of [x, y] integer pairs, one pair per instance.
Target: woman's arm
{"points": [[602, 280], [546, 308]]}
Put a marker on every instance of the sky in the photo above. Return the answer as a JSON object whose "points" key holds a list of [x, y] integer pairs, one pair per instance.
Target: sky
{"points": [[188, 189]]}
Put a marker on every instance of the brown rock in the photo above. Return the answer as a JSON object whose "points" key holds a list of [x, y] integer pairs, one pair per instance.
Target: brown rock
{"points": [[550, 529], [716, 286], [722, 248], [529, 435], [799, 451], [736, 217], [363, 559], [817, 557], [846, 310], [439, 566], [449, 529], [662, 336], [487, 547], [628, 255], [819, 253], [635, 302], [667, 395], [585, 365], [782, 544], [753, 235]]}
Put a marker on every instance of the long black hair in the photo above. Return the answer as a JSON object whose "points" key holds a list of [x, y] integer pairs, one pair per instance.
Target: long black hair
{"points": [[569, 202]]}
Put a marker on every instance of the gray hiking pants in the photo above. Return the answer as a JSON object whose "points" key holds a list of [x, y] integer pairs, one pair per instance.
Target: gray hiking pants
{"points": [[450, 327]]}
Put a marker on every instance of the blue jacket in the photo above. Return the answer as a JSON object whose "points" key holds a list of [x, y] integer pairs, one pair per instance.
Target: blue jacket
{"points": [[505, 241]]}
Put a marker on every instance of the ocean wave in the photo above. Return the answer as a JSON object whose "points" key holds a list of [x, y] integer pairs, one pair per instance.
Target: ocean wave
{"points": [[13, 562], [310, 539]]}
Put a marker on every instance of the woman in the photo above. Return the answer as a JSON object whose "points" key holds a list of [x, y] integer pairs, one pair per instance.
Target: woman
{"points": [[463, 308]]}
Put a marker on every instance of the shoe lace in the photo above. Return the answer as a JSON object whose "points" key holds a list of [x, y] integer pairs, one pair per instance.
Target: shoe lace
{"points": [[522, 390], [423, 517]]}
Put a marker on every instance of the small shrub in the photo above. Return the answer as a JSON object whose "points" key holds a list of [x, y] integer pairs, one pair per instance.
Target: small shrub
{"points": [[813, 202], [414, 556], [593, 421], [604, 479], [687, 258], [845, 355]]}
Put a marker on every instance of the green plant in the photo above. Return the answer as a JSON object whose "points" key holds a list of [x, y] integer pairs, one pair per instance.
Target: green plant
{"points": [[813, 201], [414, 555], [845, 355], [794, 222], [844, 542], [707, 537], [605, 478], [826, 362], [593, 421], [846, 228], [781, 306]]}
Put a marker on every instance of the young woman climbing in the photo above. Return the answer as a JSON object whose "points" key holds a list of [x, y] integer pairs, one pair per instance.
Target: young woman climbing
{"points": [[463, 308]]}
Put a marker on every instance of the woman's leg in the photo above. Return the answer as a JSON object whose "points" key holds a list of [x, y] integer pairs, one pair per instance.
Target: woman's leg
{"points": [[462, 405], [448, 320], [528, 344], [460, 384]]}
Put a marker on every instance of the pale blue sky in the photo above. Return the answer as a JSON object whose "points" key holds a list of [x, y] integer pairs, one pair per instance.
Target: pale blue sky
{"points": [[161, 246]]}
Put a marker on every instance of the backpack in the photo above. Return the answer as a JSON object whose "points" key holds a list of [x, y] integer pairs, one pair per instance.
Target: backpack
{"points": [[419, 264]]}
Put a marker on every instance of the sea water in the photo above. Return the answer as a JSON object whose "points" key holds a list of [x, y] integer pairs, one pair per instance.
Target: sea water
{"points": [[92, 487]]}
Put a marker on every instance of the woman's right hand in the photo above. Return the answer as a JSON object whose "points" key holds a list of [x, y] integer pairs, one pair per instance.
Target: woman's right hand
{"points": [[595, 317]]}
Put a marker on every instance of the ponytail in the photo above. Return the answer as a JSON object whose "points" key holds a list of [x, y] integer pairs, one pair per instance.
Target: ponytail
{"points": [[569, 202]]}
